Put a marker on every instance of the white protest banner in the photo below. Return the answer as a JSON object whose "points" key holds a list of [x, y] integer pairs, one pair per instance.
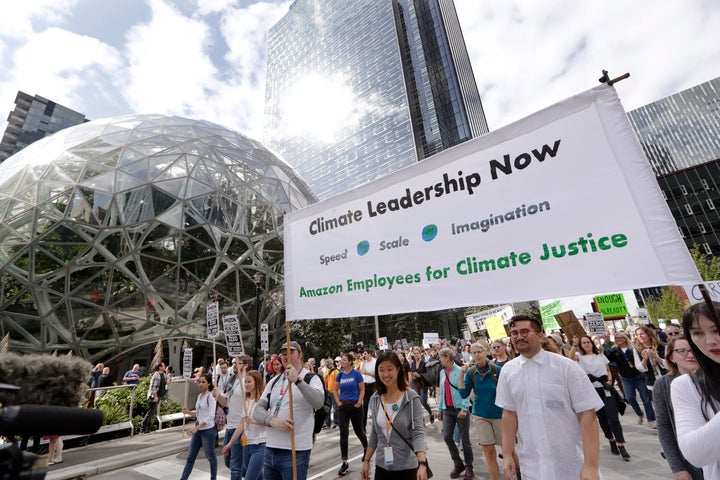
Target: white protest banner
{"points": [[476, 321], [595, 323], [233, 340], [430, 339], [213, 328], [187, 369], [504, 217], [694, 295]]}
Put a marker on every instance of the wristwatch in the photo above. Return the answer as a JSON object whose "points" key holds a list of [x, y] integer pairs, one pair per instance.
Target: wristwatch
{"points": [[423, 462], [298, 381]]}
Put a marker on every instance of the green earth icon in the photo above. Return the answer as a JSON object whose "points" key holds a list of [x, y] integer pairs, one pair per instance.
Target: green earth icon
{"points": [[363, 247], [429, 232]]}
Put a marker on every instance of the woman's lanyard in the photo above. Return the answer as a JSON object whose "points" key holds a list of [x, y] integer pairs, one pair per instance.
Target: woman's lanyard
{"points": [[388, 422], [283, 391]]}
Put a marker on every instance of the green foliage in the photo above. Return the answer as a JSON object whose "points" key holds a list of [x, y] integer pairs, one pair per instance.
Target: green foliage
{"points": [[322, 337], [115, 404], [667, 307], [708, 266]]}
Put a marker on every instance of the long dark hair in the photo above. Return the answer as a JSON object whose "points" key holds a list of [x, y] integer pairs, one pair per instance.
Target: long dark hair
{"points": [[402, 374], [594, 347], [707, 377]]}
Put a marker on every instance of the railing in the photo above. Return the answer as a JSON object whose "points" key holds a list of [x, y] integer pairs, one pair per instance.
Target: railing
{"points": [[93, 393]]}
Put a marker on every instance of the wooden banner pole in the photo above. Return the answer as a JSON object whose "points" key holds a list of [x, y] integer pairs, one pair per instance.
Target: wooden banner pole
{"points": [[290, 399]]}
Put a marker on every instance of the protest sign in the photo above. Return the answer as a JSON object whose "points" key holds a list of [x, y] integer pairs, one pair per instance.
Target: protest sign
{"points": [[453, 231], [430, 339], [570, 325], [212, 320], [495, 328], [595, 323], [187, 369], [233, 338]]}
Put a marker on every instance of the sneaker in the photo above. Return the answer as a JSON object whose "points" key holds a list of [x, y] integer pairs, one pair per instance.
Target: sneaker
{"points": [[651, 424], [641, 420], [469, 475], [457, 471], [344, 469]]}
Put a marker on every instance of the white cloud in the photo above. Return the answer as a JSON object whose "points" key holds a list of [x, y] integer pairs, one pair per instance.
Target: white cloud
{"points": [[56, 64], [169, 70], [528, 55], [17, 18]]}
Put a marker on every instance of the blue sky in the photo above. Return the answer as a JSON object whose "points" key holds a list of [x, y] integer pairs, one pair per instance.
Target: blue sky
{"points": [[206, 58]]}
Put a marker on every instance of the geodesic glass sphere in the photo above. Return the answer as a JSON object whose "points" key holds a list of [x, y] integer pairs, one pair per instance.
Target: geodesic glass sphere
{"points": [[118, 232]]}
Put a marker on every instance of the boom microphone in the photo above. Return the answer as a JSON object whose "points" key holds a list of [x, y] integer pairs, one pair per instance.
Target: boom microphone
{"points": [[34, 420], [44, 379]]}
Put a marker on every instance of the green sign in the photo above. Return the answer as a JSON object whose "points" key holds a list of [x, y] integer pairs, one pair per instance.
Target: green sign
{"points": [[548, 312], [612, 305]]}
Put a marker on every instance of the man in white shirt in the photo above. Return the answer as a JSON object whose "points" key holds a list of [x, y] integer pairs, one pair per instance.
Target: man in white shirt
{"points": [[273, 410], [553, 403]]}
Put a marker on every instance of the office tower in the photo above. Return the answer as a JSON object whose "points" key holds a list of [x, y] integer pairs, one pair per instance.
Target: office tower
{"points": [[358, 89], [681, 138], [32, 119]]}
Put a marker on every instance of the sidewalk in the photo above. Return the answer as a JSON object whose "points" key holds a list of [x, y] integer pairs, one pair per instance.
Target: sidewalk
{"points": [[117, 454]]}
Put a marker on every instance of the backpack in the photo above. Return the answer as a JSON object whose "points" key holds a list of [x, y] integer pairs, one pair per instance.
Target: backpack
{"points": [[493, 372], [220, 417], [321, 413], [432, 373]]}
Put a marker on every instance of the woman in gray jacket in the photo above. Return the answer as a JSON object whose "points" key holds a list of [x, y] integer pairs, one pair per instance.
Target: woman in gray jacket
{"points": [[397, 416]]}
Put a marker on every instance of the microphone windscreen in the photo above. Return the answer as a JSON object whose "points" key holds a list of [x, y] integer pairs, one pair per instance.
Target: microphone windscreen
{"points": [[44, 379], [48, 420]]}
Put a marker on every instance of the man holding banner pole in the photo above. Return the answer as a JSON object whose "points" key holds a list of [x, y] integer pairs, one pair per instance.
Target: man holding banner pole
{"points": [[274, 411]]}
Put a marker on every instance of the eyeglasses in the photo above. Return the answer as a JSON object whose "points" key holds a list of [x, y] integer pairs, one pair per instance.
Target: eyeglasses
{"points": [[683, 351], [496, 347], [672, 334], [523, 333]]}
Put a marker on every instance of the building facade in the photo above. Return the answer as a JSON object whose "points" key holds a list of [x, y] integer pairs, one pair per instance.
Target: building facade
{"points": [[34, 118], [680, 135], [356, 90]]}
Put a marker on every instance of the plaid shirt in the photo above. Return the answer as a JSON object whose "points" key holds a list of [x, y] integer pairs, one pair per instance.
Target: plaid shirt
{"points": [[154, 385]]}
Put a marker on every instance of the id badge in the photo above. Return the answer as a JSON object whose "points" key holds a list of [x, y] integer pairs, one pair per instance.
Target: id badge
{"points": [[388, 454]]}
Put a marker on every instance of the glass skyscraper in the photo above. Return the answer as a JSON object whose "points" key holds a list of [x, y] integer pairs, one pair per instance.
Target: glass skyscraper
{"points": [[681, 138], [358, 89], [34, 118]]}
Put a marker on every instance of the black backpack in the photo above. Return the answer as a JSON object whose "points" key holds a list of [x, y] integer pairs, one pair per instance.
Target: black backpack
{"points": [[432, 373], [321, 413]]}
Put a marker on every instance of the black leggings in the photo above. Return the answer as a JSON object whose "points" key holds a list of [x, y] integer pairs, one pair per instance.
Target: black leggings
{"points": [[348, 413], [608, 417]]}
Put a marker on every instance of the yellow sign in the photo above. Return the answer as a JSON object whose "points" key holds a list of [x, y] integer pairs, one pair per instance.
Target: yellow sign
{"points": [[495, 328]]}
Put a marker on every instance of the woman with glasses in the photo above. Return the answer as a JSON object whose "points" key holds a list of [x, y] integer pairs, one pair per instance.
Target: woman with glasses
{"points": [[499, 353], [204, 433], [596, 366], [680, 360], [696, 396]]}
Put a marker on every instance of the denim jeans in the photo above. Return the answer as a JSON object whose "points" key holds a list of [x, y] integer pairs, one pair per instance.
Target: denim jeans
{"points": [[629, 387], [206, 439], [450, 419], [234, 461], [328, 419], [277, 464], [254, 456], [424, 400]]}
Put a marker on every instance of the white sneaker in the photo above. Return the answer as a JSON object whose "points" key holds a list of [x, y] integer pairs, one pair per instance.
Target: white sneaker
{"points": [[641, 420], [652, 425]]}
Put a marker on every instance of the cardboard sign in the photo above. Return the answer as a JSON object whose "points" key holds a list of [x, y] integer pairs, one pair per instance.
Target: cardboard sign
{"points": [[570, 324], [495, 328]]}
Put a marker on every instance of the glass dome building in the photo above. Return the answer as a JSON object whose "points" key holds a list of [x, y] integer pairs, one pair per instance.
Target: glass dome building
{"points": [[118, 232]]}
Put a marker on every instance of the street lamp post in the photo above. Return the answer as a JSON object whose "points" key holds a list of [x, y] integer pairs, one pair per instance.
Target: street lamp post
{"points": [[257, 278]]}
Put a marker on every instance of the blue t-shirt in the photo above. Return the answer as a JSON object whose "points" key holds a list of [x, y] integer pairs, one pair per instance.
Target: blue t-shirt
{"points": [[349, 385]]}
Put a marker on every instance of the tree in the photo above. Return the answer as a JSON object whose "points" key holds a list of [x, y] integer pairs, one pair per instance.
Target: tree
{"points": [[322, 337], [708, 266], [668, 306]]}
